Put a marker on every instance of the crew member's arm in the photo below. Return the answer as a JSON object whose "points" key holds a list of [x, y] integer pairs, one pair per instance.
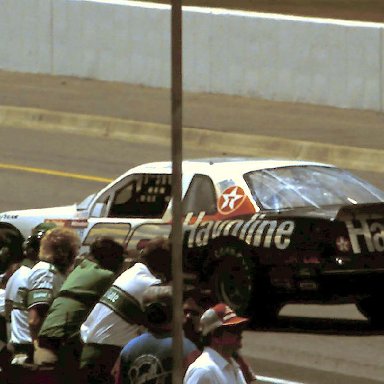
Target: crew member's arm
{"points": [[36, 316], [8, 309]]}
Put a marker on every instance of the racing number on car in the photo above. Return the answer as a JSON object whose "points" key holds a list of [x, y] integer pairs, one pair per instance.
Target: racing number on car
{"points": [[231, 200]]}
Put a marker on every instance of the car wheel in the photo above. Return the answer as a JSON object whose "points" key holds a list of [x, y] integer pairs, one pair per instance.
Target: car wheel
{"points": [[371, 308], [232, 279], [238, 281]]}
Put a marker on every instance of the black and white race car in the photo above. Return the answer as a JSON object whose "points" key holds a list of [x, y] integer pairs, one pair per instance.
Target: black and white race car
{"points": [[258, 233]]}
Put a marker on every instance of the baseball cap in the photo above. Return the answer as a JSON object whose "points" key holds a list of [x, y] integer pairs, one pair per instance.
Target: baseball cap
{"points": [[218, 316], [37, 233], [157, 304]]}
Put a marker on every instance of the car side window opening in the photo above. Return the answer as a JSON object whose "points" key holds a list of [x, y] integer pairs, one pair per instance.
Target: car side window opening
{"points": [[118, 231], [83, 205], [200, 196], [143, 196]]}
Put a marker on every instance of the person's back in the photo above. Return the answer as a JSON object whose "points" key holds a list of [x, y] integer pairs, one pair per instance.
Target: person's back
{"points": [[118, 317], [59, 337], [148, 357], [97, 327], [16, 291], [58, 250], [81, 291]]}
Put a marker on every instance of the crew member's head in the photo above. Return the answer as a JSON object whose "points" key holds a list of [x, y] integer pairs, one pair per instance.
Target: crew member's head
{"points": [[157, 255], [60, 246], [31, 245], [108, 253], [222, 329], [157, 305], [194, 305], [11, 241]]}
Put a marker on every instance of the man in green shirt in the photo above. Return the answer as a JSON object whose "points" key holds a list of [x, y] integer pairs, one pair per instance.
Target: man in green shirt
{"points": [[58, 340]]}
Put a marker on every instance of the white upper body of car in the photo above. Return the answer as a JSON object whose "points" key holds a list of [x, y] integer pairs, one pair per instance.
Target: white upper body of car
{"points": [[220, 188]]}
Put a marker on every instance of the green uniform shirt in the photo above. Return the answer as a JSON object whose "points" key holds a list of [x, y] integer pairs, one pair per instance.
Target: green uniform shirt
{"points": [[79, 293]]}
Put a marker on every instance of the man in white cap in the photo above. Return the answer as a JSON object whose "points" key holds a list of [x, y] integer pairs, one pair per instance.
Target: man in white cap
{"points": [[221, 329]]}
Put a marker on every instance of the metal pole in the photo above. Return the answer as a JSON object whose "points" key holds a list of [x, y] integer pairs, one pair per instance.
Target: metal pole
{"points": [[177, 266]]}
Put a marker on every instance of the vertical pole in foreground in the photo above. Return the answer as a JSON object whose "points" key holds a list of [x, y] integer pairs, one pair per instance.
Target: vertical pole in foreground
{"points": [[177, 151]]}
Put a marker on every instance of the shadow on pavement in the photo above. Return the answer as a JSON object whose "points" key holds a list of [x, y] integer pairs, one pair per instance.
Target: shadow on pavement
{"points": [[313, 325]]}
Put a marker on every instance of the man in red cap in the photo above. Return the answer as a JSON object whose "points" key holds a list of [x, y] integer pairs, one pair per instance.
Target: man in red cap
{"points": [[221, 329]]}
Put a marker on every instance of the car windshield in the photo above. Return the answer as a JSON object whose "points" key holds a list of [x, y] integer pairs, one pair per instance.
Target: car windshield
{"points": [[85, 203], [306, 186]]}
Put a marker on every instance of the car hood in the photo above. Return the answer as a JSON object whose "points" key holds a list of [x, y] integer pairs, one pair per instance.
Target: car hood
{"points": [[25, 220], [67, 210]]}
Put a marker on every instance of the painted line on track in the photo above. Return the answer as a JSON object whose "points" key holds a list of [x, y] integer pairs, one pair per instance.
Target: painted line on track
{"points": [[55, 173], [275, 380]]}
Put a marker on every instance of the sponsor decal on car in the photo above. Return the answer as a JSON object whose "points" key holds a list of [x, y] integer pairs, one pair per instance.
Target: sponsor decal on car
{"points": [[68, 223], [234, 200], [257, 231], [5, 216], [343, 244], [78, 225], [363, 231], [230, 200]]}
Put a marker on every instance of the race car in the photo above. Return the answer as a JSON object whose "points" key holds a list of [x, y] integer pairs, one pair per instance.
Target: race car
{"points": [[257, 233]]}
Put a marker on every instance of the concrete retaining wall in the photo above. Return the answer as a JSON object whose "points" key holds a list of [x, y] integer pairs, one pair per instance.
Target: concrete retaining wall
{"points": [[274, 57]]}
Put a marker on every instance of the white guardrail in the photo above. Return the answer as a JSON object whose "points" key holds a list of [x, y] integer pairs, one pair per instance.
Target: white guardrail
{"points": [[274, 57]]}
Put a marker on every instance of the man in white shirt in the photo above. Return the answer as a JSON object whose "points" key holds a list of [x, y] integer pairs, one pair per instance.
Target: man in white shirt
{"points": [[16, 293], [118, 316], [16, 296], [221, 329], [58, 250]]}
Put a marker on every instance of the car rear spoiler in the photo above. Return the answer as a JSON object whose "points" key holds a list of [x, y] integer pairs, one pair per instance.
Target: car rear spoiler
{"points": [[370, 210]]}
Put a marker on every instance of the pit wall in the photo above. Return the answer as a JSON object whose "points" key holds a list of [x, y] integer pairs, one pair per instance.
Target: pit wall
{"points": [[273, 57]]}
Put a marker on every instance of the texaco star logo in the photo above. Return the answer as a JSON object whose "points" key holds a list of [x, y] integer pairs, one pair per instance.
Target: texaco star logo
{"points": [[343, 244], [230, 200]]}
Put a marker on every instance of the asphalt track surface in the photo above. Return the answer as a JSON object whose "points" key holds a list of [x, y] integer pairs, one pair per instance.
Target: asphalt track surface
{"points": [[232, 125]]}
